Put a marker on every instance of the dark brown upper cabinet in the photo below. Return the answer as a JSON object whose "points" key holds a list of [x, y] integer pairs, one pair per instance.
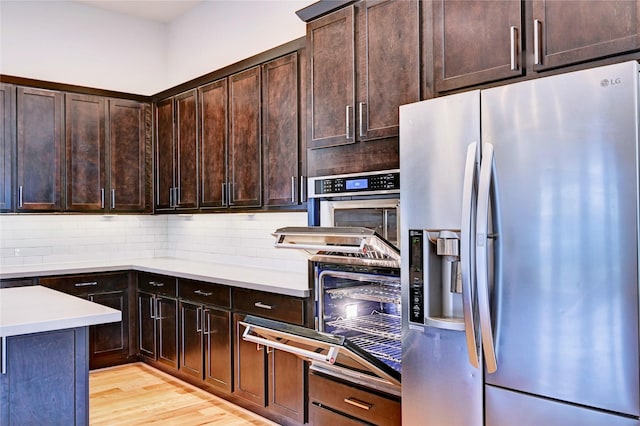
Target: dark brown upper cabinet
{"points": [[177, 152], [213, 144], [106, 154], [476, 41], [244, 175], [85, 152], [7, 144], [331, 41], [282, 179], [128, 174], [165, 155], [572, 31], [365, 63], [40, 149]]}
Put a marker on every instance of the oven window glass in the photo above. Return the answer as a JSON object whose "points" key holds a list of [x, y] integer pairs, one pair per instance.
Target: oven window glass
{"points": [[383, 220]]}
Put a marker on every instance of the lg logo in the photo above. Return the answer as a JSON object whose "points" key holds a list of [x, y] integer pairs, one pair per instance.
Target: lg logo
{"points": [[613, 82]]}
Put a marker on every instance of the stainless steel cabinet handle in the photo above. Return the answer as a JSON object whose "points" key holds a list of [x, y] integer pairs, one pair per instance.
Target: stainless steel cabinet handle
{"points": [[207, 315], [293, 189], [229, 193], [113, 198], [170, 197], [361, 106], [156, 284], [102, 198], [20, 203], [86, 284], [3, 368], [262, 305], [536, 41], [198, 324], [513, 34], [468, 283], [348, 121], [303, 192], [202, 293], [176, 197], [357, 403], [482, 267], [224, 191], [152, 308]]}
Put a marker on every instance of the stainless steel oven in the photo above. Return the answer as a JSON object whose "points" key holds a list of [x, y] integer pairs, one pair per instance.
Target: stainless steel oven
{"points": [[352, 242]]}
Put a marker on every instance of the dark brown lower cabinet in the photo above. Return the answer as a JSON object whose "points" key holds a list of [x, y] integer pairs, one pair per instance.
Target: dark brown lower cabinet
{"points": [[108, 343], [270, 378], [335, 402], [205, 344], [158, 320]]}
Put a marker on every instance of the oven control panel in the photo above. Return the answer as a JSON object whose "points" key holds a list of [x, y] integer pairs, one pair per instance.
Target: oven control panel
{"points": [[383, 182]]}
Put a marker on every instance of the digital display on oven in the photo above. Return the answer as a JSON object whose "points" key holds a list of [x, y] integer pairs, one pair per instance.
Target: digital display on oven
{"points": [[352, 184]]}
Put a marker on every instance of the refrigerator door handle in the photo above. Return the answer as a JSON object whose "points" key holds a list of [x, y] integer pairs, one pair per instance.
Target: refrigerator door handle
{"points": [[468, 192], [482, 225]]}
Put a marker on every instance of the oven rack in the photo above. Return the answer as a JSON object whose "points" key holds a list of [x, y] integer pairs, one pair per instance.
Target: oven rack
{"points": [[380, 347], [380, 292], [376, 324]]}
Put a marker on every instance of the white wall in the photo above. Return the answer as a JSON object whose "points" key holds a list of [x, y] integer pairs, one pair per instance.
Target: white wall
{"points": [[73, 43], [215, 34]]}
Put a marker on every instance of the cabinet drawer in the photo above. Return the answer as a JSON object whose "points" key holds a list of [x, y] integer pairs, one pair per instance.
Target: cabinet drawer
{"points": [[269, 305], [205, 293], [86, 284], [370, 407], [157, 284]]}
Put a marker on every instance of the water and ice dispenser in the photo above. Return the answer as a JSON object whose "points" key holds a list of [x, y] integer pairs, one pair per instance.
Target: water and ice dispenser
{"points": [[435, 281]]}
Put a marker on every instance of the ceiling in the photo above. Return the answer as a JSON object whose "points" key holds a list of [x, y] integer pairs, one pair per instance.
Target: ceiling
{"points": [[153, 10]]}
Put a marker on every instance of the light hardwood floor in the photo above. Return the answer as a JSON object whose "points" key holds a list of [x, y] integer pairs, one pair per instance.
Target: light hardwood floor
{"points": [[137, 394]]}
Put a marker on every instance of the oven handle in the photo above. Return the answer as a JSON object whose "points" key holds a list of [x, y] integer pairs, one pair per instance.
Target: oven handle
{"points": [[313, 356]]}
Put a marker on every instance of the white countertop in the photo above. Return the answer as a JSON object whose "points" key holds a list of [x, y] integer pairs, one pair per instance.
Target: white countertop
{"points": [[34, 309], [282, 282]]}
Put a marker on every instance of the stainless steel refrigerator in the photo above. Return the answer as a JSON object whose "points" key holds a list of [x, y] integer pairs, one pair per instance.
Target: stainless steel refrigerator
{"points": [[520, 229]]}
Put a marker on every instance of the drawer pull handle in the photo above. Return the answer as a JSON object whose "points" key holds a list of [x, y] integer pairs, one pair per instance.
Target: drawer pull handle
{"points": [[156, 284], [358, 403], [203, 293], [262, 305], [87, 284]]}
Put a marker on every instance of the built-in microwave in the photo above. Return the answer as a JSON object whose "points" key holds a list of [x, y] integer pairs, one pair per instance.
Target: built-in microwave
{"points": [[363, 200]]}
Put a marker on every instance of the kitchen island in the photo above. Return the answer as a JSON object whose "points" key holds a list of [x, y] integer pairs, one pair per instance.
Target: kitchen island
{"points": [[44, 372]]}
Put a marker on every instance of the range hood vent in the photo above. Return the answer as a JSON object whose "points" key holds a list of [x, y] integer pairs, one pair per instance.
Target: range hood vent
{"points": [[352, 245]]}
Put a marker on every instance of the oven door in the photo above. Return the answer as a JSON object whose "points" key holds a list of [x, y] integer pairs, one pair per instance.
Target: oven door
{"points": [[335, 355]]}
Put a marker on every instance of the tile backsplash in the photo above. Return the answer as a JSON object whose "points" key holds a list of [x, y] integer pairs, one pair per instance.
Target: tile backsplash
{"points": [[240, 238]]}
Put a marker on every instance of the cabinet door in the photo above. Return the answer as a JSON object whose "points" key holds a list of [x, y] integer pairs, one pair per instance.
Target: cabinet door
{"points": [[187, 150], [245, 188], [281, 138], [213, 144], [250, 368], [109, 343], [7, 143], [86, 151], [167, 315], [40, 149], [147, 325], [287, 385], [127, 155], [165, 155], [217, 342], [476, 41], [191, 358], [388, 66], [332, 85], [570, 31]]}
